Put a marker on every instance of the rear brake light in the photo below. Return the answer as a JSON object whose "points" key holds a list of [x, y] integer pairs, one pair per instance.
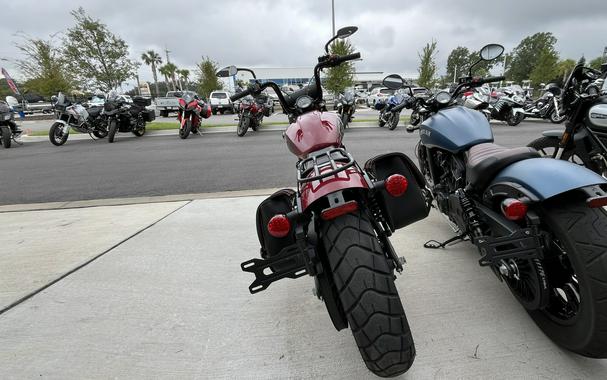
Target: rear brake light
{"points": [[597, 202], [334, 212], [279, 226], [514, 209], [396, 185]]}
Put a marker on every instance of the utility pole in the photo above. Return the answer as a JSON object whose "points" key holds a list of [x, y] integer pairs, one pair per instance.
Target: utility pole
{"points": [[504, 68], [333, 14], [167, 51]]}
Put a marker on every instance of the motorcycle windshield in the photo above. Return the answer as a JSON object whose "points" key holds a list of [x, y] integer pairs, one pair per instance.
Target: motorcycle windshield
{"points": [[188, 97], [349, 95]]}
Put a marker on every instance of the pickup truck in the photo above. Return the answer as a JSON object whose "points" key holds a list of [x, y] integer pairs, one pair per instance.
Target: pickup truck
{"points": [[170, 103]]}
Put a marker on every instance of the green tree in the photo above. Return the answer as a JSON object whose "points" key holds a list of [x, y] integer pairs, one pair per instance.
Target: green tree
{"points": [[563, 68], [184, 75], [582, 61], [43, 67], [171, 69], [340, 77], [458, 63], [153, 59], [596, 63], [207, 77], [98, 57], [427, 64], [546, 68], [164, 70], [526, 55]]}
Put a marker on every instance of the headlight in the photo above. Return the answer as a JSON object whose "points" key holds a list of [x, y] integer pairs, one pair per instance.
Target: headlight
{"points": [[443, 97], [304, 102]]}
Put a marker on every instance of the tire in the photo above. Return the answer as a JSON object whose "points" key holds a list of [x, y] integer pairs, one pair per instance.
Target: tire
{"points": [[243, 126], [515, 120], [139, 132], [582, 231], [56, 135], [547, 143], [344, 121], [380, 122], [185, 131], [557, 120], [394, 119], [365, 284], [164, 113], [6, 137], [100, 134], [112, 129]]}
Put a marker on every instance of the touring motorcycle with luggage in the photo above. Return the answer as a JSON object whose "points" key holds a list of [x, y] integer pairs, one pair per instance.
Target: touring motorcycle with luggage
{"points": [[74, 115], [8, 129], [124, 117], [346, 106], [538, 223], [584, 140], [547, 106], [191, 110], [509, 107], [336, 225]]}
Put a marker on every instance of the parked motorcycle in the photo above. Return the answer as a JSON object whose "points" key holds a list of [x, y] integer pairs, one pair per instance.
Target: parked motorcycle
{"points": [[346, 106], [538, 224], [8, 129], [584, 140], [124, 117], [74, 115], [389, 112], [189, 114], [508, 108], [547, 106], [335, 225]]}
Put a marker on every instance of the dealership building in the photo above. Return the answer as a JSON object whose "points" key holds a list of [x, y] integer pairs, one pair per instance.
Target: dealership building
{"points": [[301, 75]]}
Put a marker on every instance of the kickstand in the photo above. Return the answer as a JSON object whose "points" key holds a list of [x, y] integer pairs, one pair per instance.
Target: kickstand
{"points": [[433, 244], [91, 136]]}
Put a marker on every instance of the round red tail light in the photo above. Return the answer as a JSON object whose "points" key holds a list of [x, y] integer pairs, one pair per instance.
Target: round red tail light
{"points": [[396, 185], [513, 209], [279, 226]]}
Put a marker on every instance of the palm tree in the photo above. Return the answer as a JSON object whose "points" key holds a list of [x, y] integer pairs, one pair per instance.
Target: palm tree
{"points": [[151, 58], [166, 73], [172, 69], [184, 74]]}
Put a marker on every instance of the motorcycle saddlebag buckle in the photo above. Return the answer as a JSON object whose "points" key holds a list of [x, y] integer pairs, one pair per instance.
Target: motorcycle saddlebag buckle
{"points": [[290, 262], [149, 115], [523, 244], [412, 205]]}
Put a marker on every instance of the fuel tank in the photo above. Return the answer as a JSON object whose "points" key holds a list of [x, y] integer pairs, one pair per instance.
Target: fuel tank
{"points": [[455, 129], [597, 116], [313, 131]]}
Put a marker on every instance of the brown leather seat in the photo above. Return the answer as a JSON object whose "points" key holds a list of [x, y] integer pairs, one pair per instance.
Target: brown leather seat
{"points": [[484, 161]]}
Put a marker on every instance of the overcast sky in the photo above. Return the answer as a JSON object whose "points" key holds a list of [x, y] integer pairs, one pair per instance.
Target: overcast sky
{"points": [[280, 33]]}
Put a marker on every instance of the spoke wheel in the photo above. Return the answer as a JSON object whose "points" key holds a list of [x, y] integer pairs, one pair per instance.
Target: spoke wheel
{"points": [[527, 281]]}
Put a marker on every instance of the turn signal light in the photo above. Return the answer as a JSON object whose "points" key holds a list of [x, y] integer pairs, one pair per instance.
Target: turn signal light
{"points": [[513, 209], [396, 185], [279, 226], [332, 213]]}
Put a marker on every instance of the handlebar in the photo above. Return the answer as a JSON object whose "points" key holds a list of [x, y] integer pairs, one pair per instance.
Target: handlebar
{"points": [[344, 58], [493, 79], [249, 91]]}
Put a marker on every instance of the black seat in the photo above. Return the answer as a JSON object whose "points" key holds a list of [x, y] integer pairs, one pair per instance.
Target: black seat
{"points": [[94, 111], [484, 161]]}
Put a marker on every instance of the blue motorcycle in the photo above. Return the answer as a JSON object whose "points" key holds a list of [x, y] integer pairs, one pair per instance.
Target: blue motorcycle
{"points": [[389, 111], [538, 223]]}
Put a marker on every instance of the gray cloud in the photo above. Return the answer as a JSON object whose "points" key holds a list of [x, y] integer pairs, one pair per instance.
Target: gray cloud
{"points": [[276, 33]]}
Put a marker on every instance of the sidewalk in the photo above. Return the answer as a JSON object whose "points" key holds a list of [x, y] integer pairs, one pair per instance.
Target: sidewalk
{"points": [[170, 301]]}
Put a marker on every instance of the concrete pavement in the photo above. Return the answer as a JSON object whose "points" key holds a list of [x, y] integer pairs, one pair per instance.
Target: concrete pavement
{"points": [[171, 302]]}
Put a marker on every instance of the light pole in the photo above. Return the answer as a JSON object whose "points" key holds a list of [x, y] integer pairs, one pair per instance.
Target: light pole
{"points": [[333, 16]]}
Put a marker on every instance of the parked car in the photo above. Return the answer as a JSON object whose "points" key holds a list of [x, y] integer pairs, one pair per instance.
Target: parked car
{"points": [[220, 102], [170, 103], [378, 94]]}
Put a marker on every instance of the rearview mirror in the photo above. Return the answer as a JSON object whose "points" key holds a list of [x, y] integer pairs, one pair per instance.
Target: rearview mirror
{"points": [[393, 82], [491, 52], [346, 31], [228, 71]]}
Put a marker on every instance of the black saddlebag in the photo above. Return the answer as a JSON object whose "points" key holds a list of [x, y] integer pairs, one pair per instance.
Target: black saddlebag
{"points": [[412, 205], [281, 202], [149, 115], [141, 101]]}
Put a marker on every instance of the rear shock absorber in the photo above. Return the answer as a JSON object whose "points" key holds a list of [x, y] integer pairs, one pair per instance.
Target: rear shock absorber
{"points": [[474, 225]]}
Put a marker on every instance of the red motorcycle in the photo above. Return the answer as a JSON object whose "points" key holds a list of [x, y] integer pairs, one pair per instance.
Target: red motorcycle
{"points": [[253, 109], [191, 110], [336, 225]]}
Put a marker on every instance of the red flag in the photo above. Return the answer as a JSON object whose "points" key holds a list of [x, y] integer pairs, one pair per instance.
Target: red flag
{"points": [[10, 82]]}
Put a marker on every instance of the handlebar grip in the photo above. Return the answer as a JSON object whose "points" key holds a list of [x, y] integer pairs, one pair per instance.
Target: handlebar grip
{"points": [[348, 57], [493, 79], [241, 95]]}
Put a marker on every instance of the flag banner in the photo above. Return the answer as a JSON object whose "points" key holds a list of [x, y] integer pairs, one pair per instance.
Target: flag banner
{"points": [[10, 82]]}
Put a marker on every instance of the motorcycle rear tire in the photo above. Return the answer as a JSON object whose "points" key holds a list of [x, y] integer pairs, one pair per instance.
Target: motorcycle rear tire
{"points": [[557, 120], [380, 121], [139, 131], [515, 120], [344, 121], [100, 134], [365, 284], [57, 140], [185, 131], [6, 137], [583, 233], [112, 129]]}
